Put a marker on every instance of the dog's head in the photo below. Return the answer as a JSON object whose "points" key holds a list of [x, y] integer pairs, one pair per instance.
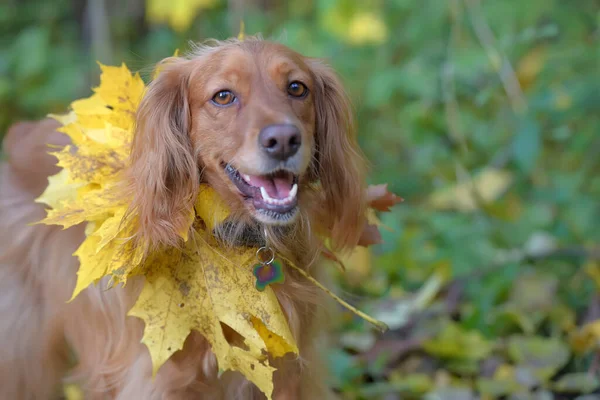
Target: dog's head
{"points": [[262, 125]]}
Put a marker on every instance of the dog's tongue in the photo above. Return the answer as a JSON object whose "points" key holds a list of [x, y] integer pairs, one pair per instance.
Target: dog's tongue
{"points": [[278, 186]]}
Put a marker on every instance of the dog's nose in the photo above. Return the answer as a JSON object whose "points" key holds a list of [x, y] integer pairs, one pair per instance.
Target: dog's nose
{"points": [[280, 141]]}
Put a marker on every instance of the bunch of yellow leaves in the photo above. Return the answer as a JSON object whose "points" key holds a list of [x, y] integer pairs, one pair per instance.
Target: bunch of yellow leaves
{"points": [[197, 287]]}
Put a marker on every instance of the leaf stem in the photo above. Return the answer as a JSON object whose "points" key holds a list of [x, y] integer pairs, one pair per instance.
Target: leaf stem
{"points": [[378, 324]]}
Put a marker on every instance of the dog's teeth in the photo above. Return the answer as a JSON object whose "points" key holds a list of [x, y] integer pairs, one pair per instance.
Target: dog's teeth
{"points": [[269, 200], [246, 178], [264, 194], [293, 192]]}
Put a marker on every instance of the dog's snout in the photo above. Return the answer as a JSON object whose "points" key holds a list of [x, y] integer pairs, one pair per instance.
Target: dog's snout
{"points": [[280, 141]]}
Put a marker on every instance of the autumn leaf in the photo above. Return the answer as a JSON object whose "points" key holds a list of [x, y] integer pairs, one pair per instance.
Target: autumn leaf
{"points": [[367, 27], [210, 208], [179, 14], [87, 188], [586, 338], [199, 288], [358, 264], [530, 66], [381, 199], [455, 342], [370, 235], [578, 382], [465, 196], [59, 190], [354, 23], [544, 356], [73, 392]]}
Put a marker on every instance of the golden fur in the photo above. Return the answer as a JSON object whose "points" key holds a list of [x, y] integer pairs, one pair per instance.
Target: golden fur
{"points": [[180, 141]]}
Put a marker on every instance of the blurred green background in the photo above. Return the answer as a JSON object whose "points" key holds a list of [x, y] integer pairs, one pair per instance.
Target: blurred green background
{"points": [[483, 115]]}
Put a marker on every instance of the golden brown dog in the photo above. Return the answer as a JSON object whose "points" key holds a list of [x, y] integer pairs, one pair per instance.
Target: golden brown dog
{"points": [[271, 131]]}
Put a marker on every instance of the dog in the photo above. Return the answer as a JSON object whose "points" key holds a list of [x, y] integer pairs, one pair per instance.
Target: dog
{"points": [[271, 131]]}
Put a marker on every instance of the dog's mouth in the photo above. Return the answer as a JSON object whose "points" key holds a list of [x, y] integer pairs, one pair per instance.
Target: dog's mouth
{"points": [[274, 195]]}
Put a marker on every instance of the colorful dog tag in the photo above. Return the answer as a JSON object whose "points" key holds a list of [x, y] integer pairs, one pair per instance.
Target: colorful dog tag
{"points": [[267, 274]]}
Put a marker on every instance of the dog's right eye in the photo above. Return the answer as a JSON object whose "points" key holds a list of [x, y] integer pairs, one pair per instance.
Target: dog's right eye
{"points": [[223, 98]]}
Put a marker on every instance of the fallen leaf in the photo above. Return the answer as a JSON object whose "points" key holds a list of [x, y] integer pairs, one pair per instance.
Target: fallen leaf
{"points": [[578, 382], [466, 196], [413, 384], [358, 341], [545, 356], [531, 300], [397, 313], [451, 393], [587, 338], [455, 342]]}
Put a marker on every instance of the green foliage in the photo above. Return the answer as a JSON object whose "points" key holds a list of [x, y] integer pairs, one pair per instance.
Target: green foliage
{"points": [[445, 91]]}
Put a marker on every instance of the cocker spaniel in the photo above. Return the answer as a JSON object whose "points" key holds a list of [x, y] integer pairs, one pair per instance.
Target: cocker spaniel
{"points": [[272, 132]]}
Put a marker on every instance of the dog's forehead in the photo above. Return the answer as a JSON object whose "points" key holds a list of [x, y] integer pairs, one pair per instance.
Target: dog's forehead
{"points": [[246, 59], [243, 66]]}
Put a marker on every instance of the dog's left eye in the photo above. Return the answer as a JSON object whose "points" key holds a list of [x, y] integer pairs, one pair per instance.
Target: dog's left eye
{"points": [[223, 98], [297, 89]]}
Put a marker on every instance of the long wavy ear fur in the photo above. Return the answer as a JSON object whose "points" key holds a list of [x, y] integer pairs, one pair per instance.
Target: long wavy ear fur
{"points": [[164, 173], [340, 166]]}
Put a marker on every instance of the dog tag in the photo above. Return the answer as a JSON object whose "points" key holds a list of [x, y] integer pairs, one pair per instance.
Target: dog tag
{"points": [[267, 274]]}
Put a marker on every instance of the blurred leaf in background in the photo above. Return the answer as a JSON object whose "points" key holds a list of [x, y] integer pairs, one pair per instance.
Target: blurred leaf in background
{"points": [[179, 14], [483, 115]]}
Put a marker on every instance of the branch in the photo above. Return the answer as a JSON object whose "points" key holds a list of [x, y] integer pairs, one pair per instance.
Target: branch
{"points": [[486, 38]]}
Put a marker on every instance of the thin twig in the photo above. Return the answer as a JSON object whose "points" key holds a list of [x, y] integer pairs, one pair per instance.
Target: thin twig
{"points": [[486, 38], [378, 324], [451, 108]]}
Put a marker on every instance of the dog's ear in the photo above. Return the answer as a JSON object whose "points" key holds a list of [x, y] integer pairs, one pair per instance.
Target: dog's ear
{"points": [[164, 174], [340, 165]]}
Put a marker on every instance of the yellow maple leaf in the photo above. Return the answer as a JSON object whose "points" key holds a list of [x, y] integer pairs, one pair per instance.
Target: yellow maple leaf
{"points": [[73, 392], [198, 287], [59, 190], [210, 207]]}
